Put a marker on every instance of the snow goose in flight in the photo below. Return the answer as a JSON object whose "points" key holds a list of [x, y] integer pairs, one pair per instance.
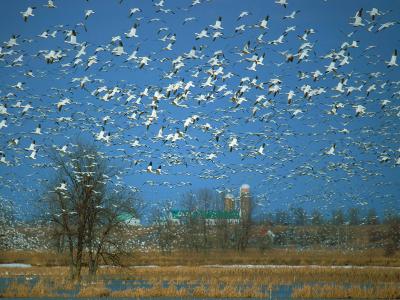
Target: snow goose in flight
{"points": [[158, 170], [358, 19], [3, 123], [282, 2], [201, 34], [62, 187], [384, 103], [149, 168], [132, 32], [386, 25], [3, 158], [360, 110], [243, 14], [233, 143], [28, 13], [393, 59], [144, 61], [373, 13], [60, 104], [292, 15], [72, 37], [33, 154], [291, 94], [260, 150], [38, 130], [134, 10], [50, 4], [263, 23], [218, 24], [88, 13], [331, 150]]}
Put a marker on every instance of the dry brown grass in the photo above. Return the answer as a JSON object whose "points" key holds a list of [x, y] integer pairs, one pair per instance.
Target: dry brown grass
{"points": [[383, 291], [266, 276], [35, 258], [97, 289], [25, 289], [272, 275], [371, 257], [157, 290], [215, 282], [206, 289]]}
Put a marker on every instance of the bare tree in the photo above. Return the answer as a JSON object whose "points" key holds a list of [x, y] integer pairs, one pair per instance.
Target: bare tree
{"points": [[166, 230], [86, 208], [191, 223]]}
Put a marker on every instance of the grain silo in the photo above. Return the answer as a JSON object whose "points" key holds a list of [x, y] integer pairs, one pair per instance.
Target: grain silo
{"points": [[245, 203], [229, 202]]}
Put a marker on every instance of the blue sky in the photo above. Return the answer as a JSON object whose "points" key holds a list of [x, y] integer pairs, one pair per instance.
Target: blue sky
{"points": [[295, 169]]}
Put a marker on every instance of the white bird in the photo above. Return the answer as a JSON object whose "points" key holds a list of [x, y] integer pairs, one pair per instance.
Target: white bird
{"points": [[386, 25], [3, 159], [28, 13], [38, 130], [360, 110], [296, 112], [132, 32], [101, 134], [233, 143], [3, 123], [243, 14], [63, 149], [158, 170], [331, 150], [119, 50], [32, 146], [282, 2], [218, 24], [144, 61], [291, 94], [133, 11], [60, 104], [384, 103], [33, 154], [373, 13], [384, 158], [201, 34], [50, 4], [62, 187], [150, 168], [88, 13], [260, 150], [357, 19], [292, 15], [264, 23], [72, 37], [393, 59]]}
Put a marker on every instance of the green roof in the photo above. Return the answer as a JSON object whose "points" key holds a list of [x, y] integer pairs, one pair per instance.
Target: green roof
{"points": [[125, 217]]}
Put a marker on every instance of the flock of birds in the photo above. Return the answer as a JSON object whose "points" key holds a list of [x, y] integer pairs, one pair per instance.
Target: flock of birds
{"points": [[208, 100]]}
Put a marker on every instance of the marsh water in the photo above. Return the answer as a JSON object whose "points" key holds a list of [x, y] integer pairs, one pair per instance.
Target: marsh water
{"points": [[279, 292]]}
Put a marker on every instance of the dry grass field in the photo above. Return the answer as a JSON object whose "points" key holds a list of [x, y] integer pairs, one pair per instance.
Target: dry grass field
{"points": [[185, 281], [370, 257]]}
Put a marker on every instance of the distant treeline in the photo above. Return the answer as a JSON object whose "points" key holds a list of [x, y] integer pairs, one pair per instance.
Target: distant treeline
{"points": [[344, 229], [300, 217]]}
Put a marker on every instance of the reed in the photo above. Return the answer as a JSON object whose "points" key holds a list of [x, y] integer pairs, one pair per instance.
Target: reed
{"points": [[213, 281], [24, 290], [379, 291], [98, 289]]}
